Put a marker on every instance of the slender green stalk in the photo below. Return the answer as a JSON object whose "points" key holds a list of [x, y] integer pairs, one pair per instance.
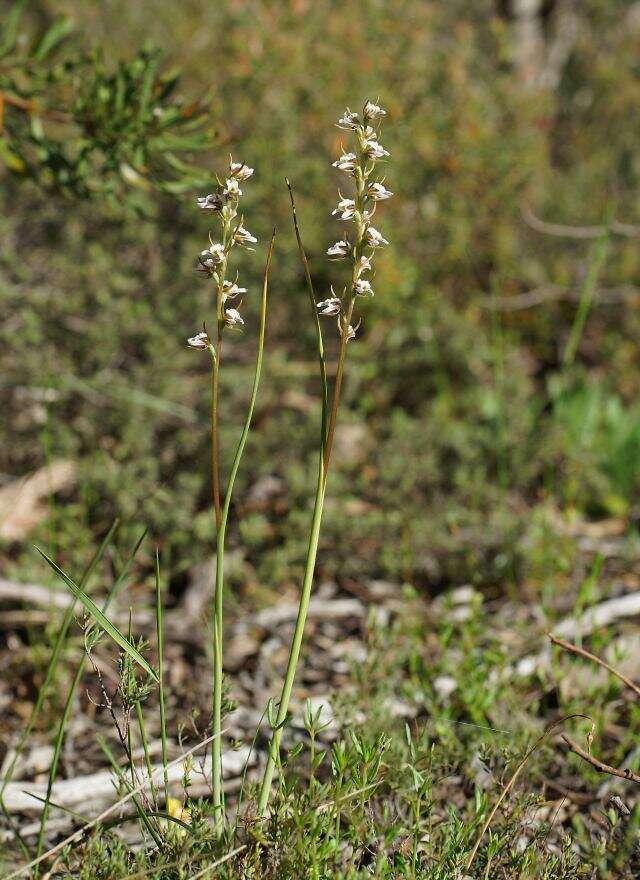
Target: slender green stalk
{"points": [[216, 749], [360, 210], [328, 426], [51, 670], [216, 757], [312, 550], [66, 712], [132, 766], [337, 393], [160, 637], [296, 644]]}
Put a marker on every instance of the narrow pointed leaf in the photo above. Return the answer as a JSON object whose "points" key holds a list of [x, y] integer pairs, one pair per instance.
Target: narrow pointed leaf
{"points": [[100, 618]]}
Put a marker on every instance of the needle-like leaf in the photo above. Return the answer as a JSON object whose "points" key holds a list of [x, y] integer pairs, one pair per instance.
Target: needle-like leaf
{"points": [[100, 618]]}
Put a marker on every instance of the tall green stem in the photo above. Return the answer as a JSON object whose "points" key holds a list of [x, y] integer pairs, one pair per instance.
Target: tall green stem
{"points": [[587, 294], [327, 434], [294, 653], [307, 583], [337, 392], [215, 450], [216, 757], [296, 644]]}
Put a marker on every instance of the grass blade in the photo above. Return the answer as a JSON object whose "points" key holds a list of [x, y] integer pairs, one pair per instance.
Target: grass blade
{"points": [[101, 620]]}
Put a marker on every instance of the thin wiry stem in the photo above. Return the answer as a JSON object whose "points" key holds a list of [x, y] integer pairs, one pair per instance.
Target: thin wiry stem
{"points": [[600, 251], [141, 808], [337, 391], [142, 727], [216, 757], [296, 643], [344, 337], [160, 640], [507, 788], [24, 869], [66, 712]]}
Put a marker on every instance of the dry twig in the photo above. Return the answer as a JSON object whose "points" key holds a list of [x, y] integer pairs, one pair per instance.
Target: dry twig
{"points": [[622, 773], [587, 655]]}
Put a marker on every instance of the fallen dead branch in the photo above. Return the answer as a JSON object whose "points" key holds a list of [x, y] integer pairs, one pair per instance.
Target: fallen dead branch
{"points": [[34, 594], [587, 655], [103, 815], [98, 788], [622, 773], [556, 292], [600, 615]]}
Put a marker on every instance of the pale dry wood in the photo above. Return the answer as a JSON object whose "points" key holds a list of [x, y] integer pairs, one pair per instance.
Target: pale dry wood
{"points": [[561, 230], [600, 615], [23, 503], [322, 609], [97, 789], [24, 869], [553, 292], [587, 655], [34, 594]]}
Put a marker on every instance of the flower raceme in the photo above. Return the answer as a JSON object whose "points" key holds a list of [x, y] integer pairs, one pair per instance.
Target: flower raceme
{"points": [[223, 205], [212, 262], [359, 162], [358, 246]]}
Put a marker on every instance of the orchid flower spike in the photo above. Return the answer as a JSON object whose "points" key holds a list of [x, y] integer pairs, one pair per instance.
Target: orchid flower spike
{"points": [[359, 209]]}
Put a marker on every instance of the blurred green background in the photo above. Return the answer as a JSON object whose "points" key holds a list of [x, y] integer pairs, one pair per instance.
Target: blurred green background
{"points": [[494, 384]]}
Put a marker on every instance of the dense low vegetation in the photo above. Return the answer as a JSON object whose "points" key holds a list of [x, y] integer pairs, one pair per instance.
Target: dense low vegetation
{"points": [[490, 431]]}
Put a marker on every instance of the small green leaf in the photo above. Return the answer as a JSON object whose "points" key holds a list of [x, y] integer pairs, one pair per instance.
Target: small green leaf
{"points": [[102, 621], [52, 38]]}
